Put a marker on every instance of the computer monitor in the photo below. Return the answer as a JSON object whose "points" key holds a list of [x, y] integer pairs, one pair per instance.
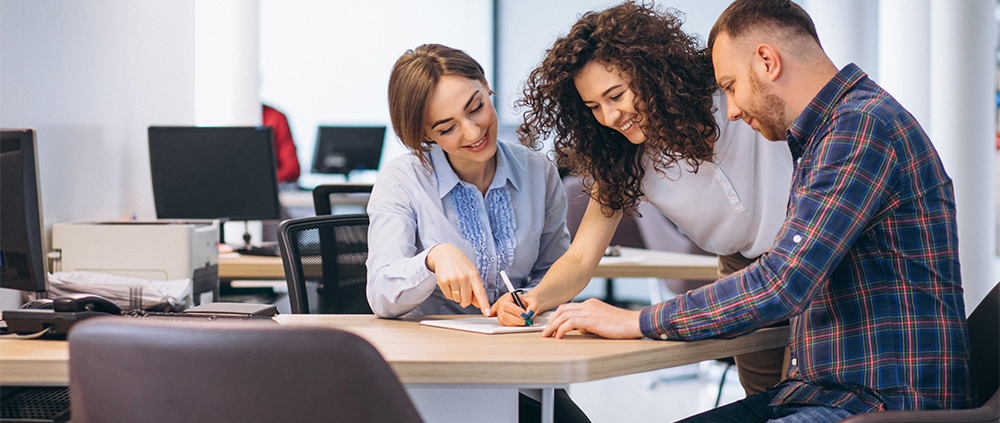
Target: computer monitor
{"points": [[213, 173], [22, 244], [341, 149]]}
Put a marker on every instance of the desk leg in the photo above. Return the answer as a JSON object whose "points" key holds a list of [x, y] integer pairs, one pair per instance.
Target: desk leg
{"points": [[548, 405], [547, 398]]}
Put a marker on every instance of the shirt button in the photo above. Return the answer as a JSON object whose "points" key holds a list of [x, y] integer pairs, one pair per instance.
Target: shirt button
{"points": [[493, 259], [797, 239], [663, 336], [795, 362]]}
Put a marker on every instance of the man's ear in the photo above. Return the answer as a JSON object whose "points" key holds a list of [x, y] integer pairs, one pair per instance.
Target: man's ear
{"points": [[768, 61]]}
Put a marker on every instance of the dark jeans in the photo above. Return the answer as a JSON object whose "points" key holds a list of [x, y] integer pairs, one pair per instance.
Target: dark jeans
{"points": [[566, 411], [756, 409]]}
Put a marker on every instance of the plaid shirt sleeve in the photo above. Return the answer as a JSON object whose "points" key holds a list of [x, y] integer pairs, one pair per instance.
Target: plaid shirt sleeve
{"points": [[838, 190]]}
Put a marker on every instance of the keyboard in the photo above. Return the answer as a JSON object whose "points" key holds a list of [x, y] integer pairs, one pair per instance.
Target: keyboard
{"points": [[180, 316], [58, 323], [34, 404]]}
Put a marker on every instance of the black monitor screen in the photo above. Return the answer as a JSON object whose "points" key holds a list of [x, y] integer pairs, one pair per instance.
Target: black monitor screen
{"points": [[213, 173], [22, 251], [341, 149]]}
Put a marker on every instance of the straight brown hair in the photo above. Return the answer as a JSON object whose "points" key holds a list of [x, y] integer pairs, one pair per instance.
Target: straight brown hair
{"points": [[411, 84]]}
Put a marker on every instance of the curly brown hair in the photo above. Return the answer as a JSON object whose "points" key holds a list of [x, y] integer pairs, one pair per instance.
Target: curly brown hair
{"points": [[671, 76]]}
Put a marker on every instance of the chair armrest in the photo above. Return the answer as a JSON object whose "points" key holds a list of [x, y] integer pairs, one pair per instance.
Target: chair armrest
{"points": [[988, 413]]}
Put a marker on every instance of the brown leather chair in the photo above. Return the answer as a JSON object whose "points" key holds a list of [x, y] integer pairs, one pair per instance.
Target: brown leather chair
{"points": [[132, 370], [984, 337]]}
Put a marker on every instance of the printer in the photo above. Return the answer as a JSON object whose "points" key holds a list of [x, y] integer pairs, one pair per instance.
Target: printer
{"points": [[155, 250]]}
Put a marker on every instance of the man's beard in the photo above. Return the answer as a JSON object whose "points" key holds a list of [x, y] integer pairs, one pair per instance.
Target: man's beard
{"points": [[767, 109]]}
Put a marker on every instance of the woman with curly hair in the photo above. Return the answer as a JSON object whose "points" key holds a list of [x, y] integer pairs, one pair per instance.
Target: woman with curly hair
{"points": [[632, 104]]}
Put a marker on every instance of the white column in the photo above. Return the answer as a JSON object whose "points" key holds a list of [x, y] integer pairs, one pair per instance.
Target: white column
{"points": [[963, 45], [904, 54], [848, 31], [227, 65]]}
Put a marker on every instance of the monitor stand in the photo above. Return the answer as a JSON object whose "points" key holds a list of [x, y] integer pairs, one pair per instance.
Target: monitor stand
{"points": [[265, 249], [246, 234]]}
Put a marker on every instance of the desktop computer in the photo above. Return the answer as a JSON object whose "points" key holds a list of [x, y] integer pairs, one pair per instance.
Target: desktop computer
{"points": [[22, 264]]}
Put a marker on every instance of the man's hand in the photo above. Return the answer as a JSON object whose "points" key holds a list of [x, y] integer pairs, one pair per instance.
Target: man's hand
{"points": [[594, 316]]}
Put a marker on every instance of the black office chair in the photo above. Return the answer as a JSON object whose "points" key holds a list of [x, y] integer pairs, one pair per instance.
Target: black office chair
{"points": [[134, 370], [326, 195], [324, 260], [984, 340]]}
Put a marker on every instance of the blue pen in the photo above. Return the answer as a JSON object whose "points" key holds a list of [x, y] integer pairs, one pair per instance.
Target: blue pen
{"points": [[517, 298]]}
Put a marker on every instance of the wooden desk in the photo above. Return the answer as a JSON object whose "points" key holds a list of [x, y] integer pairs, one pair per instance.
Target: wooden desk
{"points": [[236, 266], [633, 263], [640, 263], [448, 372]]}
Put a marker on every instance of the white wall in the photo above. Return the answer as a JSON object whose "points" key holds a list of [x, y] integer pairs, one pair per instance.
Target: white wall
{"points": [[328, 63], [226, 63], [527, 28], [90, 76], [848, 31], [963, 71]]}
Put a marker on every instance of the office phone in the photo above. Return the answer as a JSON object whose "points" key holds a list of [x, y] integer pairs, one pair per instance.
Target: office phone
{"points": [[53, 318]]}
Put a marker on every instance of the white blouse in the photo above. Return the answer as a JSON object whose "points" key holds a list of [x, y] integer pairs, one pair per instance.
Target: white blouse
{"points": [[737, 202], [412, 209]]}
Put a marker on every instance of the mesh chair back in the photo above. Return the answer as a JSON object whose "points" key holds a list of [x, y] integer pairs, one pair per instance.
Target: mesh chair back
{"points": [[326, 195], [984, 340], [324, 259]]}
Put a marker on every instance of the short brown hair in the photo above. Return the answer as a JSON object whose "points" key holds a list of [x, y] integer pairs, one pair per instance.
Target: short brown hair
{"points": [[744, 15], [412, 82]]}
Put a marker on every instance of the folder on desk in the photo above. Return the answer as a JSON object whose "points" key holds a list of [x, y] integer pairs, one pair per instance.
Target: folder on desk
{"points": [[487, 325]]}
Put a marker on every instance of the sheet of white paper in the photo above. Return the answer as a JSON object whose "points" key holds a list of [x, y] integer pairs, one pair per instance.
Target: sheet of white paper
{"points": [[487, 325]]}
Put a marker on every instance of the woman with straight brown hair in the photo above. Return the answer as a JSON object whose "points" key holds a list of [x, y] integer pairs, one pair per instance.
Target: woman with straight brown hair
{"points": [[463, 206]]}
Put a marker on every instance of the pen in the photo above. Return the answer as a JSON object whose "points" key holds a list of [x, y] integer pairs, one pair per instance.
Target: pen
{"points": [[517, 298]]}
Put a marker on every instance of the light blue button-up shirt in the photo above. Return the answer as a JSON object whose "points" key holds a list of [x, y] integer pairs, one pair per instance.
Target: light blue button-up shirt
{"points": [[411, 210]]}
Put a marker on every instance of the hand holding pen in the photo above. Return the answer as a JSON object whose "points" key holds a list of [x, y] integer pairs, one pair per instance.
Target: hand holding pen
{"points": [[517, 297]]}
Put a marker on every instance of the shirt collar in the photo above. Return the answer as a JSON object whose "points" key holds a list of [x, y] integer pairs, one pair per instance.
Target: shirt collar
{"points": [[821, 108], [507, 170]]}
